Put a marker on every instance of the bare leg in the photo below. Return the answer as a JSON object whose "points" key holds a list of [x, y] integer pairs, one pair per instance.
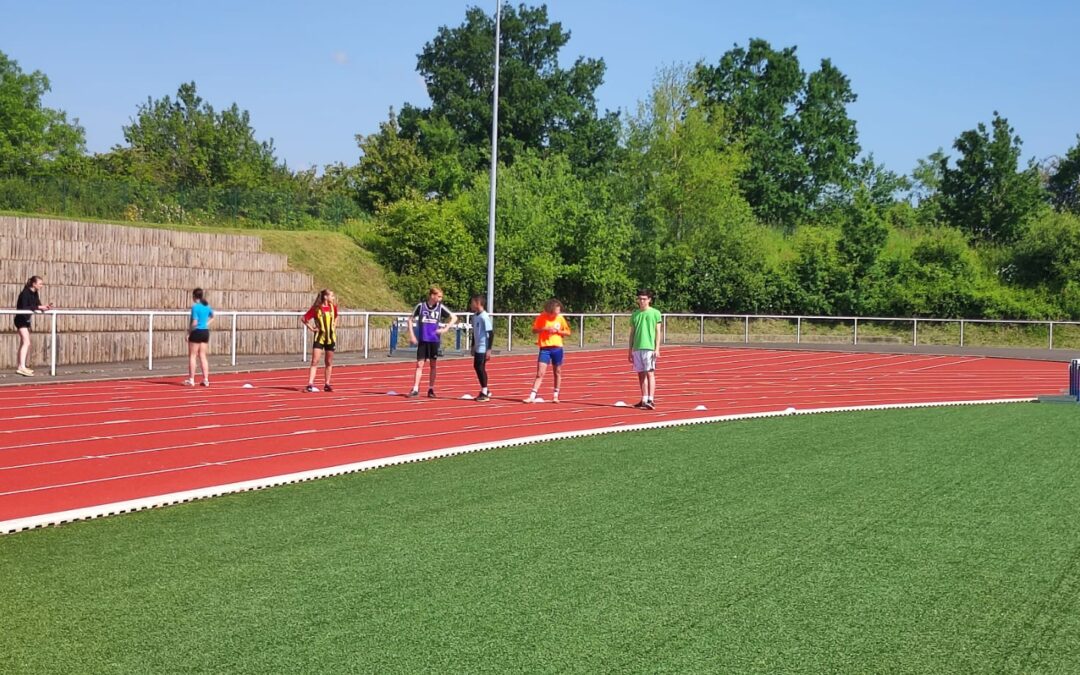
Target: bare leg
{"points": [[650, 384], [315, 354], [643, 382], [431, 374], [204, 361], [24, 346], [329, 367], [193, 357], [419, 374], [541, 369]]}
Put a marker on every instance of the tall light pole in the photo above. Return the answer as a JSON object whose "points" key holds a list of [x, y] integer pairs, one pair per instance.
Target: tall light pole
{"points": [[494, 165]]}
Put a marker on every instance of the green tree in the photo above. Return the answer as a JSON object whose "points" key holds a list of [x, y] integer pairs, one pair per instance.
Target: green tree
{"points": [[33, 139], [1063, 183], [186, 143], [390, 168], [987, 194], [541, 105], [680, 177], [800, 141]]}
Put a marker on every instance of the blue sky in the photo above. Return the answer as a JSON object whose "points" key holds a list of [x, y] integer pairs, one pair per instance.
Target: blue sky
{"points": [[313, 74]]}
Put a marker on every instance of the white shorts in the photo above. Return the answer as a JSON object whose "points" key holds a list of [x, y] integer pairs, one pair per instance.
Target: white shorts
{"points": [[644, 360]]}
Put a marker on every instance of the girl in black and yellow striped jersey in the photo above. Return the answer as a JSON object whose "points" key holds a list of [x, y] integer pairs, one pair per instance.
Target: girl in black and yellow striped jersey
{"points": [[321, 320]]}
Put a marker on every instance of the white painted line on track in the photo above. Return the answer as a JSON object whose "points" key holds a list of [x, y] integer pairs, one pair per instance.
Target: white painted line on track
{"points": [[61, 517]]}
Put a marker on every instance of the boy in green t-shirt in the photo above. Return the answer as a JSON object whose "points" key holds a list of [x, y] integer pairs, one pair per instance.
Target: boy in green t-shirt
{"points": [[646, 325]]}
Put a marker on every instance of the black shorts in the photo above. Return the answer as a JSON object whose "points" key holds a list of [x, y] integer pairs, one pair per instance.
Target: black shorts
{"points": [[325, 346], [22, 321], [426, 351], [199, 336]]}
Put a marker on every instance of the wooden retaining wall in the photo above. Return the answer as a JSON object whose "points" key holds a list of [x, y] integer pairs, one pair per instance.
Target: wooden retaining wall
{"points": [[101, 266]]}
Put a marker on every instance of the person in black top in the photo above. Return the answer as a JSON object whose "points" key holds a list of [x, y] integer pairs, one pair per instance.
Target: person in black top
{"points": [[28, 300]]}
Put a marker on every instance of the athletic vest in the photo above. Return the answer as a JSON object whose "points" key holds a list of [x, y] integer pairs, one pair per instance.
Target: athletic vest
{"points": [[429, 322]]}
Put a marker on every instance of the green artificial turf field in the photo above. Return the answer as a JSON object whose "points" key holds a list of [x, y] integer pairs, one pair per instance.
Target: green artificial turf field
{"points": [[939, 541]]}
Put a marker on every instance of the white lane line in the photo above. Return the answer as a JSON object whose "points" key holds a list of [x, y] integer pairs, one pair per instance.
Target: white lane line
{"points": [[86, 513]]}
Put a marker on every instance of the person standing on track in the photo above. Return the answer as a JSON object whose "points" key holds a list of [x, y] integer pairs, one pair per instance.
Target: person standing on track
{"points": [[482, 332], [28, 300], [646, 324], [433, 320], [199, 337], [550, 327], [322, 320]]}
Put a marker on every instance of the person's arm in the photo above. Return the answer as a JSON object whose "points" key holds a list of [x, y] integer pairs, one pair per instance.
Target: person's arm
{"points": [[335, 316], [306, 319], [630, 346], [538, 326], [451, 320], [564, 326], [194, 321], [489, 328], [409, 327], [659, 335], [211, 319]]}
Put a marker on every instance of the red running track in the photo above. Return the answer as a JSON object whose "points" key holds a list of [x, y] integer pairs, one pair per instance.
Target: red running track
{"points": [[74, 446]]}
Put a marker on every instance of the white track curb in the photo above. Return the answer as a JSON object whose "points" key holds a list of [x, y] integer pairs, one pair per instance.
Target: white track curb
{"points": [[115, 508]]}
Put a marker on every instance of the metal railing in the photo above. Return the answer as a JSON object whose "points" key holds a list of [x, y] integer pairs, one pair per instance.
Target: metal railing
{"points": [[578, 321]]}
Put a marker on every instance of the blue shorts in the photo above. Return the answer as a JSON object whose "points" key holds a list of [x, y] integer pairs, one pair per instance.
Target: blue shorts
{"points": [[552, 355]]}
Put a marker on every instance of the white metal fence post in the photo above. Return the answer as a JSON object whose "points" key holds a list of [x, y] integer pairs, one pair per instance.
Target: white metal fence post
{"points": [[1051, 335], [581, 334], [612, 330], [52, 345], [303, 349], [856, 337], [367, 332], [798, 330], [961, 332], [701, 330], [746, 330], [232, 341], [509, 332], [914, 332], [150, 343]]}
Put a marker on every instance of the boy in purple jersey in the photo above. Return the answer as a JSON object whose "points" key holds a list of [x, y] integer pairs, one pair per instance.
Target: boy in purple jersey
{"points": [[433, 320]]}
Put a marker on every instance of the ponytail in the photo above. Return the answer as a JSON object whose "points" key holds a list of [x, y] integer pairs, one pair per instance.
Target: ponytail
{"points": [[197, 295]]}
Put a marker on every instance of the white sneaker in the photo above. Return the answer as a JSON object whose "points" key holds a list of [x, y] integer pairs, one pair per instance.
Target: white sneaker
{"points": [[189, 383], [531, 399], [25, 372], [206, 383]]}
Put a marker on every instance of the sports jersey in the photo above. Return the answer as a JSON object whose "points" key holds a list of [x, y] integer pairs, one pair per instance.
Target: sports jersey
{"points": [[429, 318], [201, 314], [481, 326], [324, 317], [645, 322], [545, 338]]}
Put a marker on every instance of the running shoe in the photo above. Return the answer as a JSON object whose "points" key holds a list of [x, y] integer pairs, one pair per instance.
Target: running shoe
{"points": [[650, 405], [327, 387], [311, 389], [483, 397], [641, 405], [412, 394], [206, 383], [431, 393], [25, 372], [189, 383]]}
